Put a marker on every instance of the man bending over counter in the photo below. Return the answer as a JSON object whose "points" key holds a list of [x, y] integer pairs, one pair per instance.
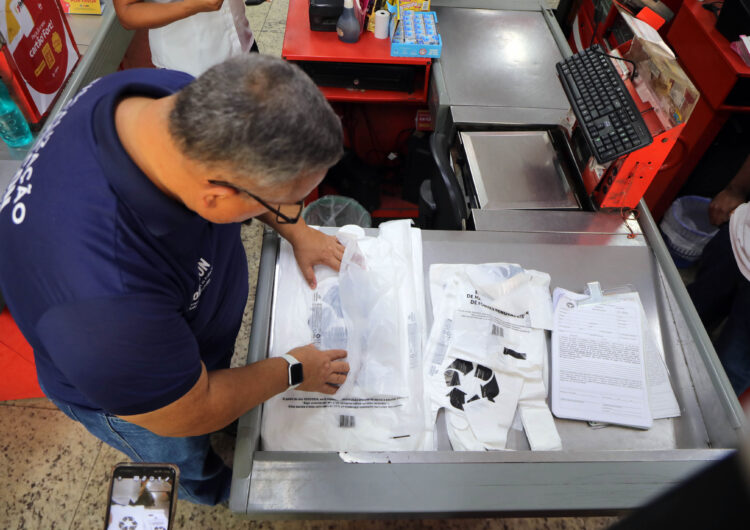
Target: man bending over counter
{"points": [[122, 261]]}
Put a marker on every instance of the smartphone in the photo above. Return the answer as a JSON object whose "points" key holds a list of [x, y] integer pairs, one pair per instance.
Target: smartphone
{"points": [[142, 497]]}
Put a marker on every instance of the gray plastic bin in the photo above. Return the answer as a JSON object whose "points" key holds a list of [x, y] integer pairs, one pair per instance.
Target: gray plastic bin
{"points": [[334, 210]]}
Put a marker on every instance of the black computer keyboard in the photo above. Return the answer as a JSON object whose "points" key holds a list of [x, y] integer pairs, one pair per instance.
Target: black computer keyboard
{"points": [[606, 112]]}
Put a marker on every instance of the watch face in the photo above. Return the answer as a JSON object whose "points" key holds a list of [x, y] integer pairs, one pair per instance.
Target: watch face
{"points": [[295, 374]]}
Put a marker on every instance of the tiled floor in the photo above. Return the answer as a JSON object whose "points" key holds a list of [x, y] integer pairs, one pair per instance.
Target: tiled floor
{"points": [[55, 474]]}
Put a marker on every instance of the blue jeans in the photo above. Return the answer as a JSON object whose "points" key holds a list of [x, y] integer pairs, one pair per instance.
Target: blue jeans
{"points": [[721, 291], [204, 479]]}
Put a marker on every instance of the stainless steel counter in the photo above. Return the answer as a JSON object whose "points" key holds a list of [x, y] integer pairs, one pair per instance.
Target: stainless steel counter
{"points": [[498, 65], [572, 222], [512, 53], [599, 470], [516, 170]]}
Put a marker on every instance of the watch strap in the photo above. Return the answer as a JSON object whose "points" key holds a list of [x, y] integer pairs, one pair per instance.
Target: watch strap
{"points": [[291, 361]]}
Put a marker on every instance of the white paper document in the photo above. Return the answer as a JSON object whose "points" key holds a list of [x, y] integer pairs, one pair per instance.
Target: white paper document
{"points": [[598, 370], [661, 398]]}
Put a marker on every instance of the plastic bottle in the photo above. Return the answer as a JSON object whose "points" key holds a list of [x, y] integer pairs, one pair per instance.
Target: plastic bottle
{"points": [[347, 26], [13, 127]]}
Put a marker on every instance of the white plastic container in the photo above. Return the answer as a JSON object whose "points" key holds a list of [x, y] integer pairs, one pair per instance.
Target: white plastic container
{"points": [[687, 230]]}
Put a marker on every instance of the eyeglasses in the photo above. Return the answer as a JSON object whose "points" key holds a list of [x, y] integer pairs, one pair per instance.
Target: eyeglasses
{"points": [[281, 217]]}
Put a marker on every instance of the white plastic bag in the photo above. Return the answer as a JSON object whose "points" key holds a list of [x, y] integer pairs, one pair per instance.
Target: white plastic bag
{"points": [[486, 354], [375, 308], [382, 296]]}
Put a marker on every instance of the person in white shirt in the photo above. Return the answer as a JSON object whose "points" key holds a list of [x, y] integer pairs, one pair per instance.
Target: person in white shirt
{"points": [[189, 35], [722, 287]]}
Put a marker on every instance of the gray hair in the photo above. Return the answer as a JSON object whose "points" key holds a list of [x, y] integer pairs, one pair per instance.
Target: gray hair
{"points": [[261, 116]]}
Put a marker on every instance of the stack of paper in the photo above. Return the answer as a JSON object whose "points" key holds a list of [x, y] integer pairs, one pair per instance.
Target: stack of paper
{"points": [[606, 363]]}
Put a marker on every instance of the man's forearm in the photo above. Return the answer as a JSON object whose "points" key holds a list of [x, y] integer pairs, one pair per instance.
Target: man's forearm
{"points": [[217, 399], [232, 392]]}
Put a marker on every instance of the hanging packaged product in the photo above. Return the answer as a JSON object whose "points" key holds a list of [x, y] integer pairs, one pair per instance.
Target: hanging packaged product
{"points": [[374, 309], [486, 356], [38, 53], [82, 7]]}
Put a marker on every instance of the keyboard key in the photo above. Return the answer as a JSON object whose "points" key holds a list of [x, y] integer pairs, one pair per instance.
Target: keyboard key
{"points": [[574, 90]]}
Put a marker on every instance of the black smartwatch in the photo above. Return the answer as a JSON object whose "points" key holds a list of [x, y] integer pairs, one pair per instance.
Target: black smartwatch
{"points": [[294, 371]]}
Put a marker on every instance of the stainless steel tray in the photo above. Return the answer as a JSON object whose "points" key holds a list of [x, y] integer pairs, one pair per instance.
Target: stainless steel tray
{"points": [[602, 470], [516, 170]]}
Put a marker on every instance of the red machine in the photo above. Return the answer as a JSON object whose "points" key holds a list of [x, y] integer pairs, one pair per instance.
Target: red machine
{"points": [[721, 77], [625, 181]]}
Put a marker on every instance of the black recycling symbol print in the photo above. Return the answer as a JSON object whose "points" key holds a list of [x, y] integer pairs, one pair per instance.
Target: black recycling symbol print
{"points": [[128, 523], [457, 398], [483, 373], [452, 378], [462, 371], [491, 390], [462, 366]]}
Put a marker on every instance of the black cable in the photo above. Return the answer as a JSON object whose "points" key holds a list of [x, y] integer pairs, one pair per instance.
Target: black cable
{"points": [[635, 68]]}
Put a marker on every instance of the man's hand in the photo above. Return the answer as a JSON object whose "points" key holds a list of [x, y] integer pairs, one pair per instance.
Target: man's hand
{"points": [[723, 205], [321, 370], [313, 247], [204, 6]]}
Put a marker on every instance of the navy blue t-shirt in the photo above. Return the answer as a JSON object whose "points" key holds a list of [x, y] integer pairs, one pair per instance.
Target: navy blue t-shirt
{"points": [[121, 290]]}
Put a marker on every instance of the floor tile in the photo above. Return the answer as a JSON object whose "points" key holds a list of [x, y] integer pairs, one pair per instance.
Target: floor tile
{"points": [[45, 459], [271, 42], [92, 509], [276, 18], [252, 238], [257, 16]]}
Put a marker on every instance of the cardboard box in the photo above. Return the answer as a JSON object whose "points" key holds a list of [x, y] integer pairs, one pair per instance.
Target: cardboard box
{"points": [[400, 48]]}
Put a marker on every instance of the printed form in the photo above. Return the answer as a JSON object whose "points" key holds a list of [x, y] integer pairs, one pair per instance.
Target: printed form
{"points": [[598, 371]]}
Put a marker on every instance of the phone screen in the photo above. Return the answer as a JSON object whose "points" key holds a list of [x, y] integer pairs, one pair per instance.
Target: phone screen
{"points": [[141, 497]]}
